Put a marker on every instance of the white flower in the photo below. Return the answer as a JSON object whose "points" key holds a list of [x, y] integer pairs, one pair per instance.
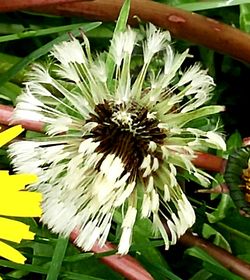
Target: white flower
{"points": [[115, 146]]}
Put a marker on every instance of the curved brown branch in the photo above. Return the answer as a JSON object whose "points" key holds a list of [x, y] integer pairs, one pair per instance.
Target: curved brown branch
{"points": [[5, 118], [246, 141], [15, 5], [210, 162], [182, 24], [126, 265], [230, 262]]}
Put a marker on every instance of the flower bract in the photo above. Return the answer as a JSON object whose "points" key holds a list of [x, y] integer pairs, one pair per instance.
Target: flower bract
{"points": [[116, 136]]}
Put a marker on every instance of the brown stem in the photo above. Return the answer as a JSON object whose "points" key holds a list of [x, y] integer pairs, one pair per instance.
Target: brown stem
{"points": [[230, 262], [209, 162], [246, 141], [126, 265], [193, 27], [5, 118], [15, 5], [221, 188]]}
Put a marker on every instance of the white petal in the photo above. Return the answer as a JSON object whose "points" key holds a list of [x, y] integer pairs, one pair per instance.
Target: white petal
{"points": [[67, 52]]}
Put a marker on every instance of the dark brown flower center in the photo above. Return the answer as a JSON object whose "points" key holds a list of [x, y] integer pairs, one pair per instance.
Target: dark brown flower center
{"points": [[129, 133]]}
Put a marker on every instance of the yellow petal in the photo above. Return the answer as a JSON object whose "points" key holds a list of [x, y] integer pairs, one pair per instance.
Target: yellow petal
{"points": [[10, 253], [15, 182], [14, 231], [20, 204], [10, 134]]}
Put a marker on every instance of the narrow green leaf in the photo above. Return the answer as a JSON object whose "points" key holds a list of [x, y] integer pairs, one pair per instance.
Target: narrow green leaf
{"points": [[245, 17], [199, 6], [218, 239], [184, 118], [120, 27], [123, 17], [78, 257], [221, 210], [9, 91], [234, 142], [43, 50], [57, 259], [78, 276], [24, 267], [211, 264], [40, 32], [201, 274], [234, 231], [158, 271]]}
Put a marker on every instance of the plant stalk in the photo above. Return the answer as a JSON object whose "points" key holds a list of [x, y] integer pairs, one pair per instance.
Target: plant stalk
{"points": [[230, 262], [6, 113], [126, 265], [15, 5], [182, 24]]}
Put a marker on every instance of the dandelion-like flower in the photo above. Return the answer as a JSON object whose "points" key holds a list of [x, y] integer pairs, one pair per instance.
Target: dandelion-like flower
{"points": [[115, 139], [15, 202]]}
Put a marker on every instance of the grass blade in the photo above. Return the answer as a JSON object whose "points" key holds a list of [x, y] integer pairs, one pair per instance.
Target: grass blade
{"points": [[43, 50], [57, 259], [24, 267], [40, 32], [199, 6], [120, 27]]}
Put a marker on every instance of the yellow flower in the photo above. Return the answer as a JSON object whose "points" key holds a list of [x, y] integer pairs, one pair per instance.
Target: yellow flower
{"points": [[15, 202]]}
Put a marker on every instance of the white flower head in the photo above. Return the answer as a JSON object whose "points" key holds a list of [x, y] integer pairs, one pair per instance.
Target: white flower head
{"points": [[114, 142]]}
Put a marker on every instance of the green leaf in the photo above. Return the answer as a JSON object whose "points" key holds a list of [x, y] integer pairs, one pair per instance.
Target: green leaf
{"points": [[120, 27], [219, 239], [245, 257], [43, 50], [205, 5], [40, 32], [211, 264], [234, 141], [24, 267], [221, 210], [235, 229], [202, 274], [78, 257], [245, 17], [184, 118], [80, 276], [9, 91], [57, 259], [142, 231], [158, 271]]}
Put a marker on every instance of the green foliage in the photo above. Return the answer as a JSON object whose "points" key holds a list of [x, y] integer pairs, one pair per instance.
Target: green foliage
{"points": [[43, 50], [245, 17], [200, 5], [211, 265]]}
